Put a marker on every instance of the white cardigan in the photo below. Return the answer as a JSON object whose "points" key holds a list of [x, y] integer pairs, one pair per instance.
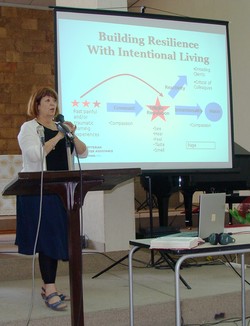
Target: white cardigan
{"points": [[30, 145]]}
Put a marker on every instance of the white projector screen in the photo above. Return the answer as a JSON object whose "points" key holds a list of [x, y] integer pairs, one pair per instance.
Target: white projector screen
{"points": [[145, 91]]}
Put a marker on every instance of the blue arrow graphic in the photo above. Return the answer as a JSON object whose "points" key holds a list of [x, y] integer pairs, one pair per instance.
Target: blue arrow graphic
{"points": [[125, 107], [178, 86], [188, 110]]}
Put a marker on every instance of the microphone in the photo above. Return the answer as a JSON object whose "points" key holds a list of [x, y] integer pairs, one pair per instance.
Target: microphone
{"points": [[40, 132], [59, 121]]}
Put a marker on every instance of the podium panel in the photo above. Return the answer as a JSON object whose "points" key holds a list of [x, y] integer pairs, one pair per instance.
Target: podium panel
{"points": [[72, 187], [109, 218]]}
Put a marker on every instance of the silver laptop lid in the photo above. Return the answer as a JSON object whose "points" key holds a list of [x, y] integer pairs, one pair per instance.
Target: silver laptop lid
{"points": [[212, 214]]}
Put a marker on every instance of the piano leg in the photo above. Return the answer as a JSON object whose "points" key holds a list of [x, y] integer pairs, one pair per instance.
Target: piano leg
{"points": [[188, 203], [163, 203]]}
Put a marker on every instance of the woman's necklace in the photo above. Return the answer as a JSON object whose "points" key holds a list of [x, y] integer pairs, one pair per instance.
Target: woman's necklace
{"points": [[50, 125]]}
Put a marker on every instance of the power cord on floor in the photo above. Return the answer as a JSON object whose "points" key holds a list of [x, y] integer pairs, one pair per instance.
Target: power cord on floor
{"points": [[229, 321], [229, 263]]}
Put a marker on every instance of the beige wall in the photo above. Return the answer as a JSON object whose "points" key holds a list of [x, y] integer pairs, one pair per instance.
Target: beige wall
{"points": [[26, 61]]}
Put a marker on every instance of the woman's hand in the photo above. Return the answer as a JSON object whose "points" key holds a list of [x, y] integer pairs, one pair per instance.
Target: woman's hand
{"points": [[71, 126]]}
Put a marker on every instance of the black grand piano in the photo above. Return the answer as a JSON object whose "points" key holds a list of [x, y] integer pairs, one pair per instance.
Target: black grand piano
{"points": [[163, 184]]}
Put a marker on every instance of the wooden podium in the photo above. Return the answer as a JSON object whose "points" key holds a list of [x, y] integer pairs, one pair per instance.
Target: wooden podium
{"points": [[72, 187]]}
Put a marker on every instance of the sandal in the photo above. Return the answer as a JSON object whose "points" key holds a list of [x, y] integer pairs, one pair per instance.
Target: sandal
{"points": [[62, 296], [58, 305]]}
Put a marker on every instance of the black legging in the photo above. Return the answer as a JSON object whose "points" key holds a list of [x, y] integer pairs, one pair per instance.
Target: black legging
{"points": [[48, 268]]}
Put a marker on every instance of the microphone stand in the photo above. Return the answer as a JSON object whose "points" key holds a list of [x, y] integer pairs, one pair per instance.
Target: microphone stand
{"points": [[42, 156], [69, 156], [65, 130], [151, 216], [70, 167]]}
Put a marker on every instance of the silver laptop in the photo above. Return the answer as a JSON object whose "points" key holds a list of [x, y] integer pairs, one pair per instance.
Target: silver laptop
{"points": [[212, 214]]}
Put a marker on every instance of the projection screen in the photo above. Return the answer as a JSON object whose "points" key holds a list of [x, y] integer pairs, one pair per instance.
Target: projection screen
{"points": [[146, 91]]}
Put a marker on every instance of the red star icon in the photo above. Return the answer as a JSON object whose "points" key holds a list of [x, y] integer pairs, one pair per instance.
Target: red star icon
{"points": [[96, 104], [158, 110], [86, 103], [75, 103]]}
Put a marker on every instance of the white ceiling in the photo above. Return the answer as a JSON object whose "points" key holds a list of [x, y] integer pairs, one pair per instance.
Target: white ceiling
{"points": [[41, 3]]}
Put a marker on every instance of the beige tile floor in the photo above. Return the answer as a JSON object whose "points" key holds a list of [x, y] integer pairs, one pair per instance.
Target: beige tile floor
{"points": [[152, 287]]}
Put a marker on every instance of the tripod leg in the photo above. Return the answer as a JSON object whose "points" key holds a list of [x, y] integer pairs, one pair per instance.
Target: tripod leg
{"points": [[111, 266], [171, 264]]}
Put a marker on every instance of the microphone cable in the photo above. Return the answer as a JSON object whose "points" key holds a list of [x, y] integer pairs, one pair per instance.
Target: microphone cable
{"points": [[81, 214], [42, 155]]}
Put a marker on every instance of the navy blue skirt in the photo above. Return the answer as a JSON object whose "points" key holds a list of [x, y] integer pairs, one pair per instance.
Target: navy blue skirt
{"points": [[53, 231]]}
